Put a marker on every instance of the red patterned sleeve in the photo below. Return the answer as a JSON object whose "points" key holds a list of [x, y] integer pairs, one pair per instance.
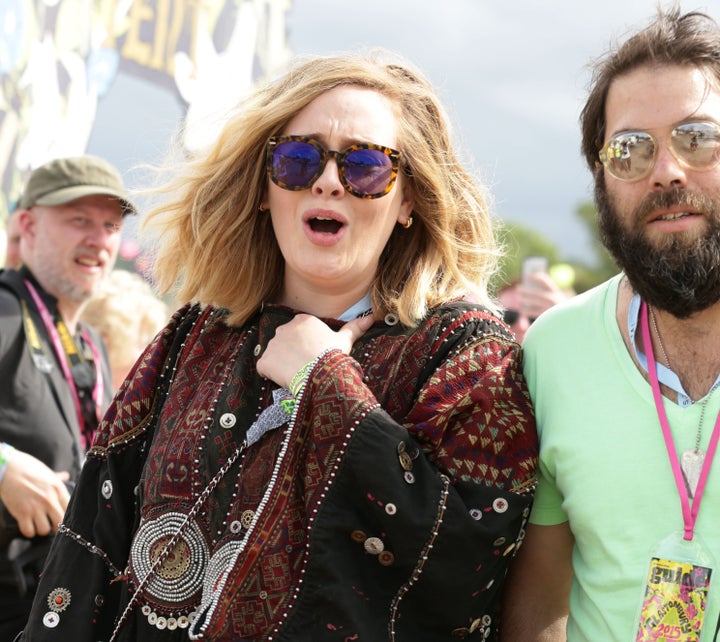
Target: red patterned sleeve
{"points": [[427, 490], [474, 419]]}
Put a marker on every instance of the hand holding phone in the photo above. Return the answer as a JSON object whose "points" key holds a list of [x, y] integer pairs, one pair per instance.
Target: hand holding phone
{"points": [[533, 265]]}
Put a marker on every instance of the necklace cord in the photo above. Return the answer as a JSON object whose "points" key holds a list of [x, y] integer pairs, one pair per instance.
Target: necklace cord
{"points": [[689, 513], [698, 435]]}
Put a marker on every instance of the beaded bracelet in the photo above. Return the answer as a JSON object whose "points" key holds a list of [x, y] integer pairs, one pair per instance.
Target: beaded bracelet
{"points": [[6, 453]]}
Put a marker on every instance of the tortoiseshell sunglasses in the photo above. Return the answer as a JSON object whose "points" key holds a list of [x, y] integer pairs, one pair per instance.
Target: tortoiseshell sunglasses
{"points": [[365, 170]]}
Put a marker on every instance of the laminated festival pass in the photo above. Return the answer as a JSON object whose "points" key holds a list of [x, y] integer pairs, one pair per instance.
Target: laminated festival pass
{"points": [[673, 608]]}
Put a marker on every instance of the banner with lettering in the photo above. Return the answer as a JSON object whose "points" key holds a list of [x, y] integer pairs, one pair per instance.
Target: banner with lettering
{"points": [[59, 58]]}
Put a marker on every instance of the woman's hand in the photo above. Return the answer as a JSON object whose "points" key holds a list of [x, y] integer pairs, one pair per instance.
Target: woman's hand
{"points": [[301, 340]]}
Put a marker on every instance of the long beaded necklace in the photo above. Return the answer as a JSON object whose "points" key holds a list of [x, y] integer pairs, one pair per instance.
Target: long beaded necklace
{"points": [[691, 461], [278, 413], [272, 417]]}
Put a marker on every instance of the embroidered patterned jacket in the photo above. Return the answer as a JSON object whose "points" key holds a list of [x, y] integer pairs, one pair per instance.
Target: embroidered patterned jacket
{"points": [[387, 505]]}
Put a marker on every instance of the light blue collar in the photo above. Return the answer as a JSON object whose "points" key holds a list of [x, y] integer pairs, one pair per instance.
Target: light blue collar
{"points": [[665, 375], [353, 312]]}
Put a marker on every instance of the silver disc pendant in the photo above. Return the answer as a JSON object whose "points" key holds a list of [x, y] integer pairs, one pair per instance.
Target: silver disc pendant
{"points": [[691, 463]]}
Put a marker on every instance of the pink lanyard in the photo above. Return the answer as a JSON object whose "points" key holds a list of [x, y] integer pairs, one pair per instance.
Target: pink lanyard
{"points": [[689, 514], [49, 324]]}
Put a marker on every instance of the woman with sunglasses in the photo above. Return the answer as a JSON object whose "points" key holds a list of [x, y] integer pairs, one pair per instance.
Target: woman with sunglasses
{"points": [[332, 442]]}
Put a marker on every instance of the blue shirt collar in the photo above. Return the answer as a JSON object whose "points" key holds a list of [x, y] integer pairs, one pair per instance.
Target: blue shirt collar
{"points": [[360, 308], [665, 376]]}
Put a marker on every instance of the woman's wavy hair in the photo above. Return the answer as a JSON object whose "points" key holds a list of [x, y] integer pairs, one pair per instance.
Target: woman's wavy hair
{"points": [[673, 38], [215, 246]]}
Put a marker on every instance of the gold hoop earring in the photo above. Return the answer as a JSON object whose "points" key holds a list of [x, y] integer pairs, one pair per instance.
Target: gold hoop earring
{"points": [[408, 224]]}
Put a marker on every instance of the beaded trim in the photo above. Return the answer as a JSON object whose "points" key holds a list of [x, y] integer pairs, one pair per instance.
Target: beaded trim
{"points": [[299, 381], [173, 540], [417, 571], [153, 545], [79, 539], [210, 599], [101, 452], [313, 512], [168, 546], [525, 488], [220, 565], [226, 557]]}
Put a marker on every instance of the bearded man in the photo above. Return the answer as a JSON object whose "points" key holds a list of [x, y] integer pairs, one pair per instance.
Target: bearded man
{"points": [[623, 542]]}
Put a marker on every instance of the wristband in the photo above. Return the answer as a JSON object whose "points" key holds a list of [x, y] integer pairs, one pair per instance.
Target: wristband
{"points": [[297, 383], [299, 378], [6, 453]]}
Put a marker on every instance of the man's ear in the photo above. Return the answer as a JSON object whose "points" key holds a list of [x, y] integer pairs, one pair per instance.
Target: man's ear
{"points": [[27, 223]]}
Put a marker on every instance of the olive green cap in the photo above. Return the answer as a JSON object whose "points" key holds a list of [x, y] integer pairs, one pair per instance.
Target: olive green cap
{"points": [[67, 179]]}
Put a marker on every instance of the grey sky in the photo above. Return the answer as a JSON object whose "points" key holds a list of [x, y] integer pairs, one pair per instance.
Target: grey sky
{"points": [[512, 73], [514, 76]]}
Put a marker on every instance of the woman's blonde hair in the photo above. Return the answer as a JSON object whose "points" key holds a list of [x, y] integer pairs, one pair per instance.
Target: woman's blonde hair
{"points": [[216, 247]]}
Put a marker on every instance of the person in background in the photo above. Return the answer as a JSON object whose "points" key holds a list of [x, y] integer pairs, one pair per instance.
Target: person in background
{"points": [[522, 304], [330, 429], [13, 258], [625, 377], [54, 370], [512, 310], [127, 314]]}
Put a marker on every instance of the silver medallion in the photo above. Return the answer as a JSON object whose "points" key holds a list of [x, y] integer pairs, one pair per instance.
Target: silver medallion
{"points": [[178, 578]]}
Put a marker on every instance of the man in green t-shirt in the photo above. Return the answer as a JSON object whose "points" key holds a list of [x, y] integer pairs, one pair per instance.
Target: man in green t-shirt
{"points": [[623, 542]]}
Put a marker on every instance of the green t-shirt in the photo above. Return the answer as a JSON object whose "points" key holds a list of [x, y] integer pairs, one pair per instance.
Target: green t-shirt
{"points": [[604, 465]]}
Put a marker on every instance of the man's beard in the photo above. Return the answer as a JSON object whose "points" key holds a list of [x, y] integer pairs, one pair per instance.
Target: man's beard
{"points": [[63, 289], [47, 269], [680, 274]]}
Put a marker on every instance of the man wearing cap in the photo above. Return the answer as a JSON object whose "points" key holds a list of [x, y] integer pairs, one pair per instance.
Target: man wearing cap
{"points": [[54, 370]]}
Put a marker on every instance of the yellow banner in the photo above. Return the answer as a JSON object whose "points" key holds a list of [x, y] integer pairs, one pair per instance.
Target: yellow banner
{"points": [[58, 59]]}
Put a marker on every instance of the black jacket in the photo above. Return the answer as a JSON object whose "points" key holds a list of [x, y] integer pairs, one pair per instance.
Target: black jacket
{"points": [[37, 412]]}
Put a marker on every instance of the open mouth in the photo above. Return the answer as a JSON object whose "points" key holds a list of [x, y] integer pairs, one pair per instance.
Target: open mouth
{"points": [[324, 225], [88, 262]]}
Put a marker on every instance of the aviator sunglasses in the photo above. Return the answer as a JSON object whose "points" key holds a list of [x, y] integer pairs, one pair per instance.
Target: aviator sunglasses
{"points": [[365, 170], [630, 156]]}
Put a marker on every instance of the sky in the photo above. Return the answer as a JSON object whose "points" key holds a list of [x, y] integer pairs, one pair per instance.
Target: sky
{"points": [[513, 75]]}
